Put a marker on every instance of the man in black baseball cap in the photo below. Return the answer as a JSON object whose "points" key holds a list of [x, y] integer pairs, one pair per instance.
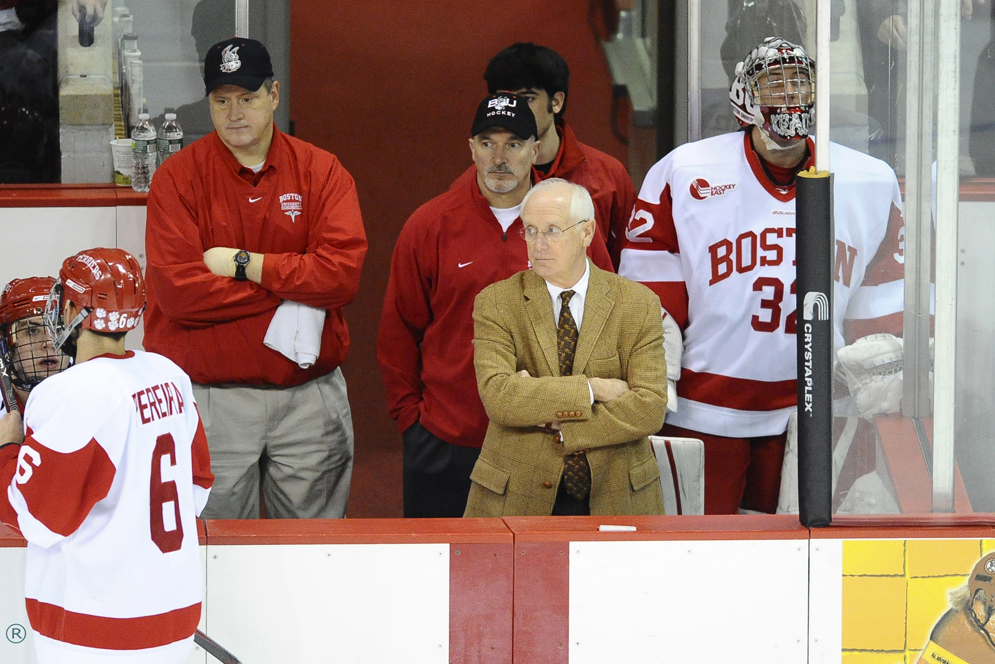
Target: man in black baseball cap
{"points": [[237, 61], [504, 147], [254, 240], [508, 111], [450, 249], [242, 96]]}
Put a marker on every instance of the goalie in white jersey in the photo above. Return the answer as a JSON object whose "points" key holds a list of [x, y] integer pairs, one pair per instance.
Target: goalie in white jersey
{"points": [[106, 480], [712, 234]]}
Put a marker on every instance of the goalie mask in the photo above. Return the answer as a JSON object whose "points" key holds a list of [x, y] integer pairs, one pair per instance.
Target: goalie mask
{"points": [[108, 290], [774, 89], [24, 343]]}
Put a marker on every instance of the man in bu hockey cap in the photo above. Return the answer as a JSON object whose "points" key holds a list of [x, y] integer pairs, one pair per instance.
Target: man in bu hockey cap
{"points": [[255, 240], [508, 112], [450, 249]]}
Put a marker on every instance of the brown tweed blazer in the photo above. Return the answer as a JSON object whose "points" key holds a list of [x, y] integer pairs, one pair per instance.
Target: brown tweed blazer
{"points": [[621, 336]]}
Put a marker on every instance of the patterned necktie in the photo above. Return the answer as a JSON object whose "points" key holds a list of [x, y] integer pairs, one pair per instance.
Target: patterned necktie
{"points": [[576, 470]]}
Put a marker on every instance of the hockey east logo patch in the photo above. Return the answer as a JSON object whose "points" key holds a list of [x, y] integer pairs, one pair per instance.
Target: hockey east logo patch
{"points": [[292, 205], [700, 189]]}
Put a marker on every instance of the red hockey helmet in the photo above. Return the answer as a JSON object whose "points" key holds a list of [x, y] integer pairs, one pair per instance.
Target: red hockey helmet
{"points": [[774, 89], [108, 289], [23, 342], [24, 298]]}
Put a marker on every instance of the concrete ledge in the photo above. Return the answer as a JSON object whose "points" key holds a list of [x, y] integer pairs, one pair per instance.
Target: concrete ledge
{"points": [[86, 100]]}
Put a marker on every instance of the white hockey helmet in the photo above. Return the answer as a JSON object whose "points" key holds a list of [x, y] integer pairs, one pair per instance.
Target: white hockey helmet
{"points": [[774, 89]]}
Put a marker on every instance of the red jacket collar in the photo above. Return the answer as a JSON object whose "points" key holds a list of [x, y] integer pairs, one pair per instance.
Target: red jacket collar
{"points": [[276, 150], [568, 157]]}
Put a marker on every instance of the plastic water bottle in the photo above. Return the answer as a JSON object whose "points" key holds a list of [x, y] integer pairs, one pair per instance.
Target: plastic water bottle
{"points": [[170, 137], [143, 148]]}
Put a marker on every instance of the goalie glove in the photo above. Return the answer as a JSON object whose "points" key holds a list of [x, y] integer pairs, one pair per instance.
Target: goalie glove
{"points": [[872, 368], [673, 346]]}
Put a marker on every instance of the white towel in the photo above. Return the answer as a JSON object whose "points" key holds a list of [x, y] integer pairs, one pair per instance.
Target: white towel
{"points": [[295, 332]]}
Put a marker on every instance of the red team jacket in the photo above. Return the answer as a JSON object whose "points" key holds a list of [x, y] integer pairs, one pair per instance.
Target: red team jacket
{"points": [[449, 250], [303, 214], [604, 177]]}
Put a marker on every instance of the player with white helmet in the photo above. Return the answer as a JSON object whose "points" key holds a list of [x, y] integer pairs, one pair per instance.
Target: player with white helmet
{"points": [[712, 233], [105, 481], [25, 348], [774, 89]]}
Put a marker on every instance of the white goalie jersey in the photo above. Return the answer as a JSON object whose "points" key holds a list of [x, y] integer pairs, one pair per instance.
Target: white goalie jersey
{"points": [[112, 474], [713, 236]]}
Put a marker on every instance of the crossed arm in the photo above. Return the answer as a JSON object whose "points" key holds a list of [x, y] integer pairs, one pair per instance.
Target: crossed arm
{"points": [[515, 400], [193, 281]]}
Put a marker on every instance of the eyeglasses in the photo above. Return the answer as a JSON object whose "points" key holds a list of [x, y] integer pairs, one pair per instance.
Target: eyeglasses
{"points": [[552, 234]]}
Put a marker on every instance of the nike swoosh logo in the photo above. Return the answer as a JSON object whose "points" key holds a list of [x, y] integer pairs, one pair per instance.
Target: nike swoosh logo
{"points": [[464, 264], [253, 200]]}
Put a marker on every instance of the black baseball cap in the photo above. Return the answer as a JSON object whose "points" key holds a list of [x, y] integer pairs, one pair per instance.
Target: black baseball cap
{"points": [[237, 61], [508, 111]]}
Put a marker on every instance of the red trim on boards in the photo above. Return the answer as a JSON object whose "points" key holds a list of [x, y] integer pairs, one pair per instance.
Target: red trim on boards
{"points": [[481, 602], [542, 602], [69, 195], [657, 528], [355, 531], [10, 538], [898, 526]]}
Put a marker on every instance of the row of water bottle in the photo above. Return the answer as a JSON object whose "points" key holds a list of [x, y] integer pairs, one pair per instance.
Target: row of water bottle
{"points": [[150, 148]]}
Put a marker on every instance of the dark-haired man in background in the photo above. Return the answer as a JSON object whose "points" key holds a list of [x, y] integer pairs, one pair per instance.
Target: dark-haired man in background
{"points": [[541, 75]]}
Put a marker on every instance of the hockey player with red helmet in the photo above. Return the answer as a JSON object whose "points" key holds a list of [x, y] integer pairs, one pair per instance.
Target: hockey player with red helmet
{"points": [[712, 233], [106, 480], [25, 348]]}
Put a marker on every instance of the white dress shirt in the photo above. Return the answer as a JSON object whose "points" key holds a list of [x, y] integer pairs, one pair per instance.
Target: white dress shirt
{"points": [[578, 299]]}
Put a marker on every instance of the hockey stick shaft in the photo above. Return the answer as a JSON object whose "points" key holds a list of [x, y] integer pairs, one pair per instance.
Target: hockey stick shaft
{"points": [[9, 398], [214, 648]]}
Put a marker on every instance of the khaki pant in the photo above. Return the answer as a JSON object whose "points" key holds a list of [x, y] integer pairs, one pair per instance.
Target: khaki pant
{"points": [[297, 439]]}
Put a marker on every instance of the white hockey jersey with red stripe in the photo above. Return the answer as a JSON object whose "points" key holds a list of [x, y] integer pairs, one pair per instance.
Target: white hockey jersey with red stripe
{"points": [[714, 238], [112, 474]]}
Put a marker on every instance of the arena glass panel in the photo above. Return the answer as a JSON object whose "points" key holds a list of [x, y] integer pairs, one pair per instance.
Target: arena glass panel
{"points": [[974, 413], [61, 95], [883, 458]]}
